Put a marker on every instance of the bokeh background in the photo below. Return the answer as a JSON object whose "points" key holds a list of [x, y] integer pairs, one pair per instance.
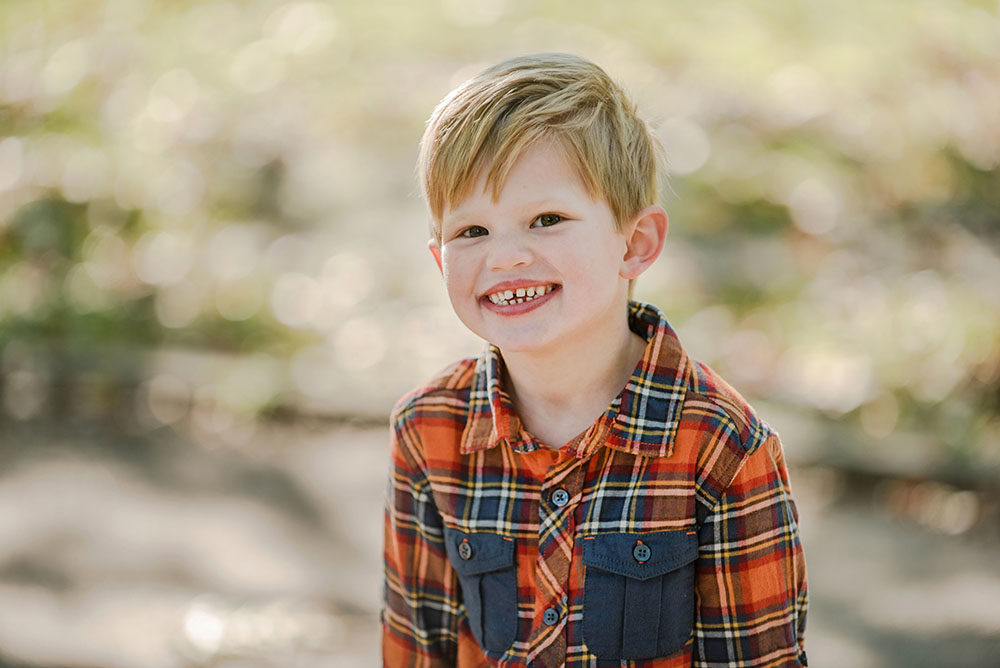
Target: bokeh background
{"points": [[214, 285]]}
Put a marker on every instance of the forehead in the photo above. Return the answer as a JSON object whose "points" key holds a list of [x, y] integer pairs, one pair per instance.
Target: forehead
{"points": [[541, 172]]}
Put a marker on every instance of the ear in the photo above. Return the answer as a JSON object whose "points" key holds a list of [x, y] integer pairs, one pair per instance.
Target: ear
{"points": [[435, 248], [645, 236]]}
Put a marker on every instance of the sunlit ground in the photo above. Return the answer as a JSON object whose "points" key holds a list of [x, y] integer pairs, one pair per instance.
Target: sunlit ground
{"points": [[158, 553]]}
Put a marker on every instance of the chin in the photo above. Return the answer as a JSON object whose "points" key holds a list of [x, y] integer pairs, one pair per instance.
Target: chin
{"points": [[510, 347], [520, 344]]}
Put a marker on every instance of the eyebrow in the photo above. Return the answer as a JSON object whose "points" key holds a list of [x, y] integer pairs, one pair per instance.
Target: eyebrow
{"points": [[455, 219]]}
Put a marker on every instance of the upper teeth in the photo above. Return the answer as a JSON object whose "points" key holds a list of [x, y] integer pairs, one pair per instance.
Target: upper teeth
{"points": [[519, 295]]}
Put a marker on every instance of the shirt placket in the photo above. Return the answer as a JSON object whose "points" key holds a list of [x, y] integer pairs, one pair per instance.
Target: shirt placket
{"points": [[560, 495]]}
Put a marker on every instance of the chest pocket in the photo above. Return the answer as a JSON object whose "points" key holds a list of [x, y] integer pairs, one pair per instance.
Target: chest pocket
{"points": [[484, 563], [638, 593]]}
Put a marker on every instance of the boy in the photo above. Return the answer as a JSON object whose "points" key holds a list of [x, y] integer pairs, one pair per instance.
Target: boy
{"points": [[583, 493]]}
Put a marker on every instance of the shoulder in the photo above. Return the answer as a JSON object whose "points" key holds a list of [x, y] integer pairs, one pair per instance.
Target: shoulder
{"points": [[428, 420], [445, 393], [709, 395], [723, 430]]}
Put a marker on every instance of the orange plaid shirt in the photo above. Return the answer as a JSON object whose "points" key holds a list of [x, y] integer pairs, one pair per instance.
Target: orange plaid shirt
{"points": [[664, 535]]}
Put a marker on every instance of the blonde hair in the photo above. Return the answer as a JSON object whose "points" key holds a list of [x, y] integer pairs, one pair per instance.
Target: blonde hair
{"points": [[487, 122]]}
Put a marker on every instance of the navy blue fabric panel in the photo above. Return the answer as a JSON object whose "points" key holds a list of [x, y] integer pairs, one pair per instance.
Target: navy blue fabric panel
{"points": [[634, 609], [642, 618], [499, 614], [603, 611], [488, 578], [677, 618], [490, 552], [613, 552]]}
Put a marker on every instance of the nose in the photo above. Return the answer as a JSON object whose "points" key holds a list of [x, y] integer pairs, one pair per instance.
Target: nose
{"points": [[509, 251]]}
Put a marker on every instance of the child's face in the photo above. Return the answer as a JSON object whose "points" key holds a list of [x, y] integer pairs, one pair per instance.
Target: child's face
{"points": [[544, 235]]}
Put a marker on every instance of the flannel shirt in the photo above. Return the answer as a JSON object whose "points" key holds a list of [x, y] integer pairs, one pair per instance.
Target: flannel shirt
{"points": [[664, 535]]}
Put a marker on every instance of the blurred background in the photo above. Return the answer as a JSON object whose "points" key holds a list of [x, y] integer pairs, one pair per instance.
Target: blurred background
{"points": [[214, 285]]}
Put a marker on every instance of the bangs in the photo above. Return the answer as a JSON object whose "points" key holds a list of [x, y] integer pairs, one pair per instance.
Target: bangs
{"points": [[480, 130]]}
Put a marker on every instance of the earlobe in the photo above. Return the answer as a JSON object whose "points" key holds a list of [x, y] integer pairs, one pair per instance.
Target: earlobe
{"points": [[435, 248], [647, 233]]}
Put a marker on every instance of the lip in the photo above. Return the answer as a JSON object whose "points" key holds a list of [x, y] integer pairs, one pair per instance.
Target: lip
{"points": [[523, 307]]}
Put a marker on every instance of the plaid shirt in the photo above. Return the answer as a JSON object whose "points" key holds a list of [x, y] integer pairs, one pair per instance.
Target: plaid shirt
{"points": [[664, 535]]}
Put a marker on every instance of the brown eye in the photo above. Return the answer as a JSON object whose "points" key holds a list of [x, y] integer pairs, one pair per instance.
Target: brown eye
{"points": [[474, 231], [548, 219]]}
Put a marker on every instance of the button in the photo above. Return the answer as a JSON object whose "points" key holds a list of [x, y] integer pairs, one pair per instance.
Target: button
{"points": [[641, 552], [560, 497], [465, 550], [551, 617]]}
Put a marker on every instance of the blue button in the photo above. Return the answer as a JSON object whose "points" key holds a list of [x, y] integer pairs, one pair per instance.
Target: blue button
{"points": [[465, 550], [641, 552], [551, 617], [560, 497]]}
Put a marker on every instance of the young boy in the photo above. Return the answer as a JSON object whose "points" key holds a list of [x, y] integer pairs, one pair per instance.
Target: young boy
{"points": [[583, 493]]}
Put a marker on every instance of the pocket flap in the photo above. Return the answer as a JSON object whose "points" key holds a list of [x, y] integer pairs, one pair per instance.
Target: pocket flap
{"points": [[616, 552], [485, 552]]}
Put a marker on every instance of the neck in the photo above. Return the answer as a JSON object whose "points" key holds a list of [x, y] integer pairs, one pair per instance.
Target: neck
{"points": [[558, 393]]}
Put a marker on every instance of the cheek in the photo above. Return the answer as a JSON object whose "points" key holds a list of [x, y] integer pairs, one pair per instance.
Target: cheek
{"points": [[600, 266], [456, 271]]}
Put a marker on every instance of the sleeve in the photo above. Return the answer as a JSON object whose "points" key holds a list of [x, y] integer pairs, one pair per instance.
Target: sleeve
{"points": [[421, 600], [751, 577]]}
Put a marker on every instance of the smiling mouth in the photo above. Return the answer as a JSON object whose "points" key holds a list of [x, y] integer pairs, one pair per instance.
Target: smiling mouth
{"points": [[520, 295]]}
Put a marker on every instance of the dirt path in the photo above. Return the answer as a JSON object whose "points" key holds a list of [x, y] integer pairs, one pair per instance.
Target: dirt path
{"points": [[158, 553]]}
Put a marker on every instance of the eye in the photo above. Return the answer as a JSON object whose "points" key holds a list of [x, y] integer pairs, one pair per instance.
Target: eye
{"points": [[547, 220], [473, 231]]}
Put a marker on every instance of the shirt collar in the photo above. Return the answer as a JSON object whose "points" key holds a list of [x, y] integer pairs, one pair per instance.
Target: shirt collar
{"points": [[642, 419]]}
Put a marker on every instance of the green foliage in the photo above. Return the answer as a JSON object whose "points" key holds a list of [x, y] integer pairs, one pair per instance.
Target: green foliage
{"points": [[239, 178]]}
